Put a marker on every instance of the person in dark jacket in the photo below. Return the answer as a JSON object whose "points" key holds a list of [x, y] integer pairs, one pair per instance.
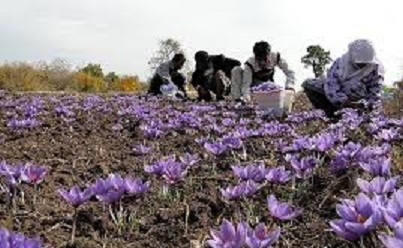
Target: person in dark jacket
{"points": [[212, 75], [169, 72]]}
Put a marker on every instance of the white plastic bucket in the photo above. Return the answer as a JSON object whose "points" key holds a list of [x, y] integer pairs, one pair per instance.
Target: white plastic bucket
{"points": [[279, 102]]}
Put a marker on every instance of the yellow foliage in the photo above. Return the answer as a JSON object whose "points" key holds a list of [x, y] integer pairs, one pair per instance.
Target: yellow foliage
{"points": [[58, 75], [21, 77], [86, 83], [128, 83]]}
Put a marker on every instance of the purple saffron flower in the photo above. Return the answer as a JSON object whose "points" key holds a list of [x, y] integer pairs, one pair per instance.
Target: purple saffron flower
{"points": [[202, 140], [299, 144], [9, 239], [136, 186], [151, 131], [339, 163], [393, 213], [351, 150], [215, 148], [158, 167], [228, 122], [142, 149], [244, 189], [33, 174], [232, 142], [378, 186], [174, 172], [12, 173], [190, 159], [358, 217], [109, 190], [323, 142], [250, 172], [377, 167], [389, 135], [266, 87], [278, 175], [304, 167], [372, 152], [261, 237], [228, 236], [75, 196], [395, 241], [282, 210]]}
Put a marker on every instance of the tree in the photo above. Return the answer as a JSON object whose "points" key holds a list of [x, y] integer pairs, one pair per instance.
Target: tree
{"points": [[167, 49], [85, 82], [111, 77], [94, 70], [318, 58]]}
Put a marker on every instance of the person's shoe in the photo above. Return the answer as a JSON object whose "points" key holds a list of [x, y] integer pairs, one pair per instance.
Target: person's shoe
{"points": [[220, 98]]}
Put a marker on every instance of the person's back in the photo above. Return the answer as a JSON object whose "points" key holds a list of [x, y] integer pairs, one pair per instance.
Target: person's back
{"points": [[212, 74], [168, 72], [354, 80]]}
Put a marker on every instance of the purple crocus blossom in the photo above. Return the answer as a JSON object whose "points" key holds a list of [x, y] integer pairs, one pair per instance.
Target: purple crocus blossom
{"points": [[23, 123], [12, 173], [252, 172], [303, 167], [389, 135], [302, 117], [393, 212], [228, 122], [228, 236], [278, 175], [339, 163], [378, 185], [33, 174], [135, 186], [266, 87], [350, 150], [109, 190], [323, 142], [190, 159], [282, 210], [260, 237], [158, 167], [395, 241], [232, 142], [174, 172], [75, 196], [244, 189], [142, 149], [10, 239], [216, 148], [358, 217], [378, 167]]}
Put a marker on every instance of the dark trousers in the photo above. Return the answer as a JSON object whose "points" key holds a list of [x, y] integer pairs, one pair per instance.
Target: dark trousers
{"points": [[317, 97], [219, 84], [156, 82]]}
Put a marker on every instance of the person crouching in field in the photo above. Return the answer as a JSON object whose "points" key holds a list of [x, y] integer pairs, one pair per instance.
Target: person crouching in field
{"points": [[355, 76], [212, 74], [168, 72], [259, 69]]}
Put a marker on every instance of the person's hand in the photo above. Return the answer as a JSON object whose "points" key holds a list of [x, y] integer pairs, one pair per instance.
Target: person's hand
{"points": [[290, 89], [202, 91], [351, 104]]}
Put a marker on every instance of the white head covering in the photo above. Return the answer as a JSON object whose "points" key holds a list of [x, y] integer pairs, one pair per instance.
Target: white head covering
{"points": [[359, 51]]}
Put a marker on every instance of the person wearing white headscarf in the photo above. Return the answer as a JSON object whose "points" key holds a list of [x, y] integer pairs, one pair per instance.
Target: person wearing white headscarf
{"points": [[354, 79]]}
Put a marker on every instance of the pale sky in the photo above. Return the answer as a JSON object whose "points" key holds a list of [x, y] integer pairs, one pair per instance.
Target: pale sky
{"points": [[122, 34]]}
